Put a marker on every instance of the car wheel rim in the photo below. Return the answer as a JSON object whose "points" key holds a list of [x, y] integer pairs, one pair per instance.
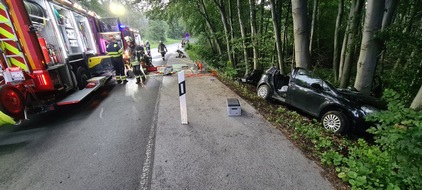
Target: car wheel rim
{"points": [[332, 122], [262, 92]]}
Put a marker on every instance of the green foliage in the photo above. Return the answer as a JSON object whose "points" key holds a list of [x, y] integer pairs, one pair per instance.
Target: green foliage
{"points": [[399, 133], [229, 73], [367, 167], [157, 30], [176, 30]]}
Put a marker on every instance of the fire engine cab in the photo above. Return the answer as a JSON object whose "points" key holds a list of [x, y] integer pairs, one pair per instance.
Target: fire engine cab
{"points": [[46, 47]]}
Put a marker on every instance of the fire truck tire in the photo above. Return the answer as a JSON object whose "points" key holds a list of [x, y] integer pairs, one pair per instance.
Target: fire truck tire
{"points": [[12, 102], [82, 77]]}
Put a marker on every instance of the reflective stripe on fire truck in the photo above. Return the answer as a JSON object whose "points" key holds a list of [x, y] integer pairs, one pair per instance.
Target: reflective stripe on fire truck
{"points": [[8, 41], [5, 119], [7, 34]]}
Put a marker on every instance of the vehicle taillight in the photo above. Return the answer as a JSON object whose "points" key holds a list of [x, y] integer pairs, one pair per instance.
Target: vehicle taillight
{"points": [[43, 80]]}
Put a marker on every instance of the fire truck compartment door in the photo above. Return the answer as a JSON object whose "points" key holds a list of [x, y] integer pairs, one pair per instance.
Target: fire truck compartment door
{"points": [[81, 94], [94, 61]]}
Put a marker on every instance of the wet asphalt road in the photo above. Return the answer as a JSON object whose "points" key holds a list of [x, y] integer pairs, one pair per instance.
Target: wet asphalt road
{"points": [[97, 144]]}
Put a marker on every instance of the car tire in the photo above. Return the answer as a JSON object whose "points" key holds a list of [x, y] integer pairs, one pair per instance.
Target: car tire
{"points": [[264, 91], [11, 101], [335, 121]]}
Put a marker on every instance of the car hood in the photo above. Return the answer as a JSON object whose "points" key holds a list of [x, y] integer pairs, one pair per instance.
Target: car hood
{"points": [[360, 99]]}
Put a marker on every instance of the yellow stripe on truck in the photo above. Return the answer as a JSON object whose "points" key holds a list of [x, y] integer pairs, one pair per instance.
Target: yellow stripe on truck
{"points": [[12, 49], [18, 63], [6, 33], [5, 119]]}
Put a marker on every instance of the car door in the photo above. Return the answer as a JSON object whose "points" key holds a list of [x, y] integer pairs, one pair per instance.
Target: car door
{"points": [[302, 95]]}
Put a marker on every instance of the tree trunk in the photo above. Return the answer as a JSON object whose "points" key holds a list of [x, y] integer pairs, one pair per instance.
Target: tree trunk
{"points": [[243, 33], [204, 13], [417, 102], [222, 11], [390, 9], [286, 32], [336, 56], [343, 52], [276, 26], [253, 33], [300, 29], [232, 32], [370, 47], [350, 51], [314, 19]]}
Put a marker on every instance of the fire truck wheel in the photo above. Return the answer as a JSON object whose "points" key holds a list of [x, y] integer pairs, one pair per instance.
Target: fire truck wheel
{"points": [[11, 101], [82, 77]]}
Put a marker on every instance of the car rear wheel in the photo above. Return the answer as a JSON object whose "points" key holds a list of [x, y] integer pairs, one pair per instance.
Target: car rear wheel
{"points": [[335, 121], [11, 101], [264, 91]]}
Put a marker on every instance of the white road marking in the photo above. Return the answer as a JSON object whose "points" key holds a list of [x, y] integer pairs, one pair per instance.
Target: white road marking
{"points": [[101, 113], [146, 168]]}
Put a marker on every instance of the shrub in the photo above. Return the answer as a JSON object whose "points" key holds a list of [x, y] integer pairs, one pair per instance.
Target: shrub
{"points": [[399, 133]]}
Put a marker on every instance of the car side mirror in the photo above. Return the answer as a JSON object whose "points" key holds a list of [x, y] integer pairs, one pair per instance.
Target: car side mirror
{"points": [[317, 86]]}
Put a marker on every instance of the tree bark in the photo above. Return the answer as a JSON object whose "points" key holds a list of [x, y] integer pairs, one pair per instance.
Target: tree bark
{"points": [[222, 11], [390, 9], [314, 19], [300, 29], [370, 47], [243, 33], [336, 56], [276, 26], [232, 32], [354, 19], [252, 15], [417, 102]]}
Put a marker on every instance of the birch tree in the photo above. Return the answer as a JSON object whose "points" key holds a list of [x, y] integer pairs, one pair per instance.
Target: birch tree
{"points": [[336, 56], [300, 30], [370, 47], [252, 14], [243, 34], [417, 102], [203, 11], [349, 46], [222, 10], [276, 17], [314, 20]]}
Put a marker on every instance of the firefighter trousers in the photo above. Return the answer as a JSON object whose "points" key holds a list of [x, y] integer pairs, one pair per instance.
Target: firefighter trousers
{"points": [[119, 67], [138, 70]]}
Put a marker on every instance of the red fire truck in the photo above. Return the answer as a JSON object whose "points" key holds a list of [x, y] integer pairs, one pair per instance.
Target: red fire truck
{"points": [[49, 56]]}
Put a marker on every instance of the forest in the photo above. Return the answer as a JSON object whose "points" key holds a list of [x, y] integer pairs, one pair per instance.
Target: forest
{"points": [[372, 46]]}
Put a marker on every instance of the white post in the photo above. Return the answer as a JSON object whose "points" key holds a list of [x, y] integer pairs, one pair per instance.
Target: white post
{"points": [[182, 97]]}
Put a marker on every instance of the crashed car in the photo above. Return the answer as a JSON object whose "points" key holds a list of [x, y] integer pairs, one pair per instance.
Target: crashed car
{"points": [[340, 110]]}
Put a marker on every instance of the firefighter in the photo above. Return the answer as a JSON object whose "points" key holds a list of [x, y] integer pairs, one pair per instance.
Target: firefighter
{"points": [[162, 49], [136, 56], [116, 52]]}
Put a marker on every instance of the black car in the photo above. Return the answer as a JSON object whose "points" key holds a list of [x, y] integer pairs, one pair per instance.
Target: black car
{"points": [[339, 110]]}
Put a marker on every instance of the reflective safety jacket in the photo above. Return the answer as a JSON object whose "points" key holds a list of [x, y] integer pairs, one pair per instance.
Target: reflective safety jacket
{"points": [[136, 54], [114, 50]]}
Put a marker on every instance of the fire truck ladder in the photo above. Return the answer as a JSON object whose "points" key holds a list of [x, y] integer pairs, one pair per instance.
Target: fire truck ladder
{"points": [[10, 47]]}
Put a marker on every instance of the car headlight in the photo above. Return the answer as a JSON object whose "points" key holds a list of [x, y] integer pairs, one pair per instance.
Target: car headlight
{"points": [[369, 109]]}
